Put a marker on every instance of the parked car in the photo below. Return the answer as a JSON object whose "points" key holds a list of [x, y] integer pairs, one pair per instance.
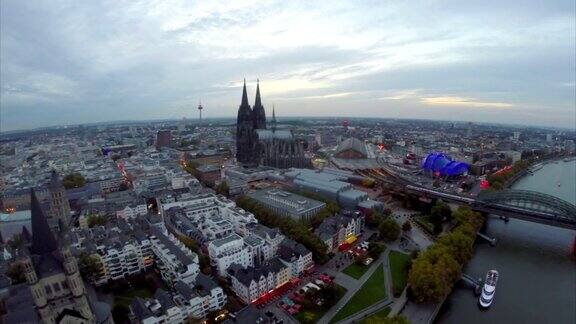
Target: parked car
{"points": [[319, 283]]}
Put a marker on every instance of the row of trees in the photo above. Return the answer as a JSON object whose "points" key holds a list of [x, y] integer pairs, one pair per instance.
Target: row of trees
{"points": [[223, 189], [291, 228], [434, 271], [396, 319], [440, 213], [375, 218], [387, 227], [191, 167], [203, 259], [498, 181]]}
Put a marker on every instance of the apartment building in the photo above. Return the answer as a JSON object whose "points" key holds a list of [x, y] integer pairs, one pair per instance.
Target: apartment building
{"points": [[227, 251], [251, 283], [174, 260]]}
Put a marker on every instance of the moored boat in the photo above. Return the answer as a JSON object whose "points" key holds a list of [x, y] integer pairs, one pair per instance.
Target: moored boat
{"points": [[489, 289]]}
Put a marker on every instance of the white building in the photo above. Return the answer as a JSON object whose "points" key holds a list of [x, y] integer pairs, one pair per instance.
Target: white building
{"points": [[296, 256], [204, 205], [227, 251], [189, 300], [203, 297], [174, 260], [123, 259], [160, 309], [120, 253], [271, 237], [252, 283], [132, 211]]}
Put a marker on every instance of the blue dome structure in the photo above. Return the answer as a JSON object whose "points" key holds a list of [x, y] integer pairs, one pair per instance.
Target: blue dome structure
{"points": [[443, 164]]}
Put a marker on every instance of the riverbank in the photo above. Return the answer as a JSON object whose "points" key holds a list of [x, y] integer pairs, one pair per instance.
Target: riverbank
{"points": [[534, 167], [534, 261]]}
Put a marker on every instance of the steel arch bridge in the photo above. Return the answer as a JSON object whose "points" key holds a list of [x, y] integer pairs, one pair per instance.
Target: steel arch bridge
{"points": [[530, 201]]}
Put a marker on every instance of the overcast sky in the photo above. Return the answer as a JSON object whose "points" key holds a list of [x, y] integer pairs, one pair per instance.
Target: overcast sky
{"points": [[70, 62]]}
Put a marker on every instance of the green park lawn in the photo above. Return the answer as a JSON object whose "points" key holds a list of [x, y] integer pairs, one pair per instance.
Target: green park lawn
{"points": [[356, 270], [371, 292], [125, 299], [377, 317], [399, 270], [313, 315]]}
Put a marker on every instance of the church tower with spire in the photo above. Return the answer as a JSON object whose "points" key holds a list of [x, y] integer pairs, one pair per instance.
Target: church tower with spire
{"points": [[59, 215], [273, 118], [258, 110], [245, 131], [52, 275]]}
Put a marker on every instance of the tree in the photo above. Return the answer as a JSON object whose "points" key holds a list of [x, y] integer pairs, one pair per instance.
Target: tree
{"points": [[389, 230], [439, 213], [120, 314], [407, 226], [192, 320], [374, 250], [203, 260], [223, 189], [89, 266], [368, 182], [442, 211], [458, 244], [16, 241], [432, 275], [73, 180], [373, 219], [16, 273], [97, 220], [397, 319], [188, 242], [435, 270]]}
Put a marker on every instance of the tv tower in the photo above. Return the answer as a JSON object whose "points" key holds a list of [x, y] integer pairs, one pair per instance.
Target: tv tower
{"points": [[200, 110]]}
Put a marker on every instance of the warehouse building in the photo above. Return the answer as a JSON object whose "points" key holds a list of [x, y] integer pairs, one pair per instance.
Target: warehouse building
{"points": [[287, 204]]}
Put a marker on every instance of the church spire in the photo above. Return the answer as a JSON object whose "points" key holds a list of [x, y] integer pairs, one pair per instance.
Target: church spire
{"points": [[273, 118], [43, 240], [259, 115], [257, 101], [245, 96]]}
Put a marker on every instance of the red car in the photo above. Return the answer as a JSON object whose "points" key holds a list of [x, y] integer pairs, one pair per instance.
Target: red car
{"points": [[283, 305], [297, 298]]}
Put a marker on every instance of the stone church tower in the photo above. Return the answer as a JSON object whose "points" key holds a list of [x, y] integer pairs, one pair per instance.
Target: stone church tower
{"points": [[245, 139], [59, 215], [258, 113], [53, 277]]}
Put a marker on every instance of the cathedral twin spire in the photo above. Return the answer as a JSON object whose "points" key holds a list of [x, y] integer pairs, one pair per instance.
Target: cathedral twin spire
{"points": [[256, 114]]}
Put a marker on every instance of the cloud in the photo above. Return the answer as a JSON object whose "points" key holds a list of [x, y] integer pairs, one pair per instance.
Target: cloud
{"points": [[75, 61], [463, 102]]}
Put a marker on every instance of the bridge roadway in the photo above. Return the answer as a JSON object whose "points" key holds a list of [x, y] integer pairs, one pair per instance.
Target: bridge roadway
{"points": [[541, 217]]}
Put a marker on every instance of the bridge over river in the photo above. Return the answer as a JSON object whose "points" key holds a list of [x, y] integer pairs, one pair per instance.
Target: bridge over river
{"points": [[521, 204]]}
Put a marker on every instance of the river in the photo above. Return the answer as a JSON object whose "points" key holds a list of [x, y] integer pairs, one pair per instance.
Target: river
{"points": [[537, 273]]}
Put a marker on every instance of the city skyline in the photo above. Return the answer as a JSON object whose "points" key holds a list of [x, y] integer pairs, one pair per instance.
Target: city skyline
{"points": [[74, 63]]}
